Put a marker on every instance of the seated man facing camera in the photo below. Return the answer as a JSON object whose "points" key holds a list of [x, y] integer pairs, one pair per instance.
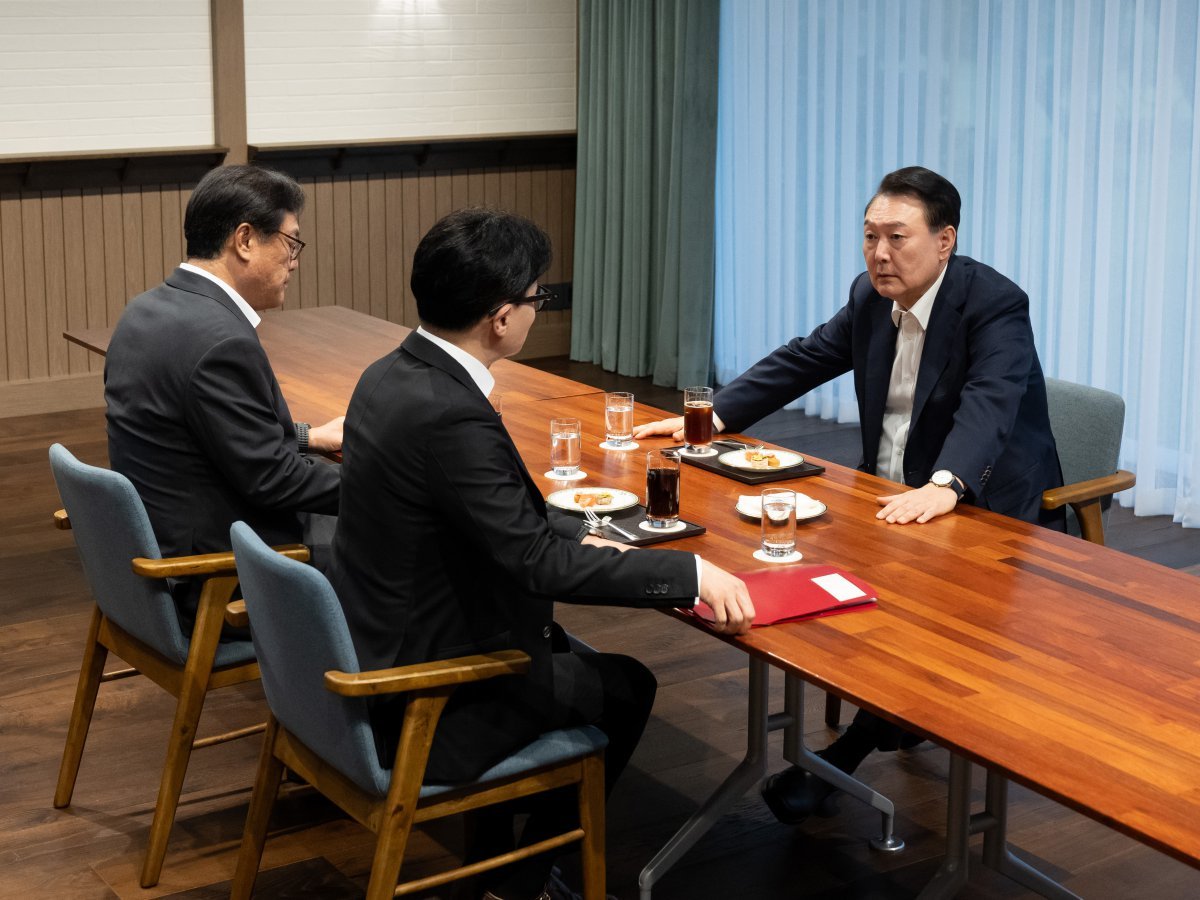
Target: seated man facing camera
{"points": [[444, 545], [951, 399]]}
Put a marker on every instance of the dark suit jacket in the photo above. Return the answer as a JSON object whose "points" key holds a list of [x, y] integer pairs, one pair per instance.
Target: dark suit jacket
{"points": [[979, 408], [444, 548], [197, 422]]}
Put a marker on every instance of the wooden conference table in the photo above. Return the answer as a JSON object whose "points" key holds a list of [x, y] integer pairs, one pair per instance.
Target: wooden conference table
{"points": [[1065, 666]]}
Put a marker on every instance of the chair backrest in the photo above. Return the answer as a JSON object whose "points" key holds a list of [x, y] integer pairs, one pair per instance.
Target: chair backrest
{"points": [[111, 528], [299, 634], [1087, 424]]}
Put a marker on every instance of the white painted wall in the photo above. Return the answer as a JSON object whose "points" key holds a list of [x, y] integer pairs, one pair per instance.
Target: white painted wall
{"points": [[318, 70], [104, 75]]}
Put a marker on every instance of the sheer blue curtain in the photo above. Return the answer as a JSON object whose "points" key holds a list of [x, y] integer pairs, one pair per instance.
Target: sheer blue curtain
{"points": [[1072, 131]]}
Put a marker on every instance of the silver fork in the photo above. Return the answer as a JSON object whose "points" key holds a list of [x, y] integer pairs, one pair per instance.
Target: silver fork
{"points": [[598, 523]]}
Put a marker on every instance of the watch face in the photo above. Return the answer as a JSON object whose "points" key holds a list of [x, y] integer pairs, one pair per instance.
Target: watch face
{"points": [[942, 478]]}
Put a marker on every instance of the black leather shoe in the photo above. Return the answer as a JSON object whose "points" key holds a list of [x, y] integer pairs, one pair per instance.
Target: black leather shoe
{"points": [[794, 794]]}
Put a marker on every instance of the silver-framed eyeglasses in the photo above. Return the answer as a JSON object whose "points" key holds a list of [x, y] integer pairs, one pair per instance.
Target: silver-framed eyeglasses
{"points": [[538, 299]]}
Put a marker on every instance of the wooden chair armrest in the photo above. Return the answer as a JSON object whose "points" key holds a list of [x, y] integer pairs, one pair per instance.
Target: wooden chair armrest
{"points": [[423, 676], [205, 564], [61, 520], [236, 615], [1092, 489]]}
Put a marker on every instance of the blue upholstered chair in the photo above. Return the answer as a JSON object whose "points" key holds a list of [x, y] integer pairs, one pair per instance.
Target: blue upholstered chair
{"points": [[319, 727], [1087, 424], [135, 618]]}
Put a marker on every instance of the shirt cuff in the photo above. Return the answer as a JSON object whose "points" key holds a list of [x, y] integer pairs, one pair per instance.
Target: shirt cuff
{"points": [[718, 425], [699, 575]]}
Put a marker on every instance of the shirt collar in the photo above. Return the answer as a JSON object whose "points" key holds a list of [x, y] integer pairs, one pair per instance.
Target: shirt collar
{"points": [[478, 371], [247, 310], [923, 308]]}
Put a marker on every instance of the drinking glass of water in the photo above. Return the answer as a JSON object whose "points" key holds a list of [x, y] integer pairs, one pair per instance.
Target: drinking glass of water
{"points": [[618, 419], [564, 447], [778, 522]]}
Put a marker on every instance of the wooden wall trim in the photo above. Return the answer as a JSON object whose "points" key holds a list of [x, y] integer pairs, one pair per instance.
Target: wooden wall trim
{"points": [[112, 168], [45, 395], [228, 24], [378, 157]]}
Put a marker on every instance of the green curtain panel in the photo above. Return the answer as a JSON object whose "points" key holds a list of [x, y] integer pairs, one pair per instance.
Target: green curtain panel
{"points": [[643, 279]]}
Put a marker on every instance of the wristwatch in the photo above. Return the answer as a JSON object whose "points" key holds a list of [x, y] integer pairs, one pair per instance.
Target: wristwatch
{"points": [[301, 436], [945, 478]]}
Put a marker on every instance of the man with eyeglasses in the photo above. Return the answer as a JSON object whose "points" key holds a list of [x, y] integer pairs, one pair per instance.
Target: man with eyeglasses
{"points": [[444, 545], [196, 419]]}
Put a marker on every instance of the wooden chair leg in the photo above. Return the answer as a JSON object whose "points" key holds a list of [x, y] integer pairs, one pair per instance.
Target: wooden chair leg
{"points": [[258, 819], [94, 656], [210, 616], [591, 819], [833, 710], [389, 855]]}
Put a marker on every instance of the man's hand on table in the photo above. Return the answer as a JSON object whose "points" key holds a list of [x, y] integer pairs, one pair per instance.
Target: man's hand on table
{"points": [[727, 597], [327, 438], [672, 427], [918, 505]]}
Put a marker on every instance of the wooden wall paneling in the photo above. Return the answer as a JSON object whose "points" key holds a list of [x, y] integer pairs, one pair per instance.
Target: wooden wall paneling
{"points": [[395, 248], [460, 189], [426, 206], [152, 237], [443, 195], [491, 187], [410, 202], [475, 189], [554, 217], [12, 249], [360, 247], [297, 291], [342, 242], [116, 294], [131, 226], [377, 245], [74, 281], [35, 285], [3, 300], [172, 229], [55, 283], [95, 259], [568, 207], [508, 190], [323, 242]]}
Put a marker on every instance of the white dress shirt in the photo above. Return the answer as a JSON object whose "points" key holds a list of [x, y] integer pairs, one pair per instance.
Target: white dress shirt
{"points": [[247, 310], [897, 413]]}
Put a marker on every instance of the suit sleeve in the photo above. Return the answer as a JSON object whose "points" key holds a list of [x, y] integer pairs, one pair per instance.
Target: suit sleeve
{"points": [[788, 373], [478, 483], [230, 408], [1000, 348]]}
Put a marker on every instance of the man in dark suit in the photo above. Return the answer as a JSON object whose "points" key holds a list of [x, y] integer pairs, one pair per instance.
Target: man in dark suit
{"points": [[196, 419], [951, 397], [445, 547]]}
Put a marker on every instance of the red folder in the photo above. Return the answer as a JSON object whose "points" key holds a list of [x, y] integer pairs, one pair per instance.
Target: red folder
{"points": [[795, 593]]}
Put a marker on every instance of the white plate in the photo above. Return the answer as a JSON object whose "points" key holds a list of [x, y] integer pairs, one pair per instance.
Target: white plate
{"points": [[806, 507], [737, 459], [565, 499]]}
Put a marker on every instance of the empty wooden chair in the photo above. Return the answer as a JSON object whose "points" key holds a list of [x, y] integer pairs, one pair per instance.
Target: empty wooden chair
{"points": [[319, 727], [135, 618]]}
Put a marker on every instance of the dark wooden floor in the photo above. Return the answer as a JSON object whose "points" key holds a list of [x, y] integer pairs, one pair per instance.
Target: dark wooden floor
{"points": [[93, 849]]}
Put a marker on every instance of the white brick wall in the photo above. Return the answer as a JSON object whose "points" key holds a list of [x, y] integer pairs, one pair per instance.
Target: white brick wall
{"points": [[318, 70], [104, 75]]}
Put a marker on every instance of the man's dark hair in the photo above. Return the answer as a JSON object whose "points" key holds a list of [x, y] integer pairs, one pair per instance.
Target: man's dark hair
{"points": [[939, 197], [230, 195], [471, 262]]}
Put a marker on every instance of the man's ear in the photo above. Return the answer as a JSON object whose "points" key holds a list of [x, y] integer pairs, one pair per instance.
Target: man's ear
{"points": [[500, 321], [241, 239], [946, 241]]}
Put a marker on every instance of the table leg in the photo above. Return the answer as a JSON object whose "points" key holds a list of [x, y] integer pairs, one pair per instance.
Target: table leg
{"points": [[992, 823], [749, 772], [796, 753], [996, 852]]}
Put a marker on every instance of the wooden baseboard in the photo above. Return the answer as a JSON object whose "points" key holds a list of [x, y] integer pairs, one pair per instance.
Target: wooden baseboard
{"points": [[46, 395]]}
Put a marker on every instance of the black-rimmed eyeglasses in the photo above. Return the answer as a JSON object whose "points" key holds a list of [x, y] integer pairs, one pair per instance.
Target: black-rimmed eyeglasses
{"points": [[294, 244], [540, 299]]}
